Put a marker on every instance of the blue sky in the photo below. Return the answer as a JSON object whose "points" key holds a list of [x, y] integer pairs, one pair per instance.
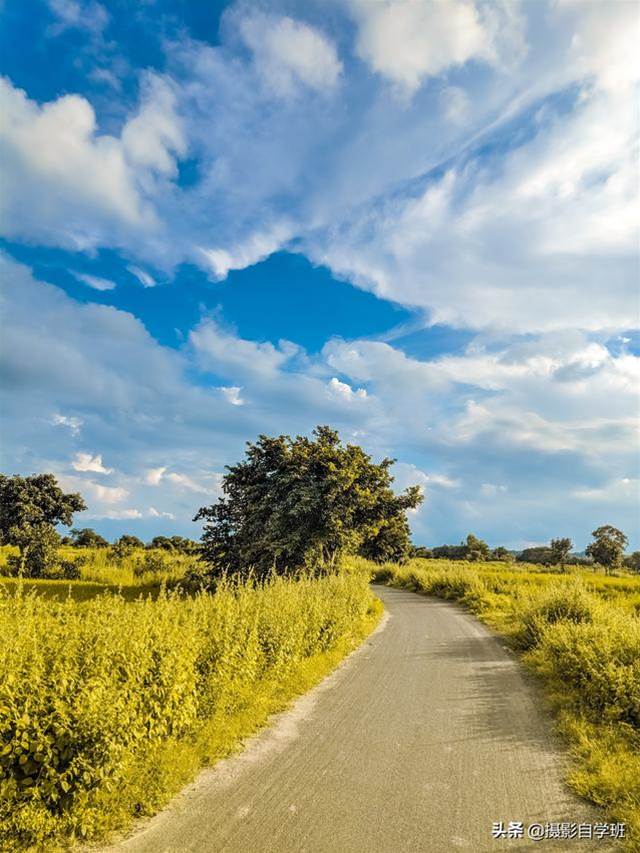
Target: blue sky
{"points": [[415, 221]]}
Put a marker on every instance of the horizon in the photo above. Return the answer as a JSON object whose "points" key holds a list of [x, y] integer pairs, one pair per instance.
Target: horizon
{"points": [[220, 221]]}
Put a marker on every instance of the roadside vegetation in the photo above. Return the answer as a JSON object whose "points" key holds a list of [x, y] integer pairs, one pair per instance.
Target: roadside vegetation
{"points": [[579, 631], [108, 707]]}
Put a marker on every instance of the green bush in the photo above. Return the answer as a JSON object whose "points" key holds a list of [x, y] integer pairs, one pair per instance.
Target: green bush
{"points": [[89, 691], [559, 602]]}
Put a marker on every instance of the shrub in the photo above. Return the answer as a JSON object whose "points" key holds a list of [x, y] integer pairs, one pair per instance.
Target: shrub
{"points": [[566, 602], [94, 694]]}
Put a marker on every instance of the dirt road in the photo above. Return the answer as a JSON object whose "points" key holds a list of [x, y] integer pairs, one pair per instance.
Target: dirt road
{"points": [[427, 734]]}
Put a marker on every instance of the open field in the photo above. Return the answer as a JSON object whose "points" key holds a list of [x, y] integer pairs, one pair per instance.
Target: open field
{"points": [[580, 633], [108, 706]]}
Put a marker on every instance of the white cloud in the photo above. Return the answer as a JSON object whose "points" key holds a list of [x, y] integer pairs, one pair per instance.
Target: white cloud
{"points": [[67, 184], [74, 424], [344, 391], [232, 395], [153, 137], [143, 277], [408, 41], [222, 352], [289, 54], [88, 462], [253, 249], [91, 16], [154, 475], [95, 281]]}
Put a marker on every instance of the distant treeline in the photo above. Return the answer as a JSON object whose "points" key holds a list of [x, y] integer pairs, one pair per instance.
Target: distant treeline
{"points": [[558, 552], [86, 537]]}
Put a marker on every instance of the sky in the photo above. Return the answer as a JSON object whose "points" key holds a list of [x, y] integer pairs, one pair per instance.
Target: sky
{"points": [[414, 221]]}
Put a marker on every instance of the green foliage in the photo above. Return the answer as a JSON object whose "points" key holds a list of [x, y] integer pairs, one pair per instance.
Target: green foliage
{"points": [[540, 554], [477, 549], [560, 550], [301, 503], [178, 544], [129, 542], [86, 537], [103, 703], [30, 507], [632, 561], [608, 547], [391, 543]]}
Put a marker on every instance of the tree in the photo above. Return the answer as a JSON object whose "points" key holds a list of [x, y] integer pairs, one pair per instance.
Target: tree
{"points": [[174, 543], [87, 538], [300, 502], [540, 554], [608, 547], [477, 549], [129, 541], [632, 561], [391, 544], [500, 553], [559, 551], [30, 507]]}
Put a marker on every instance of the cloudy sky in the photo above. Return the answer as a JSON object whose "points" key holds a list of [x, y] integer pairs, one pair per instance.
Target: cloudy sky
{"points": [[416, 221]]}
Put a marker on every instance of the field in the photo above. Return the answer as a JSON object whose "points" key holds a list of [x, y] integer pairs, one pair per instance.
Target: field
{"points": [[108, 706], [579, 632]]}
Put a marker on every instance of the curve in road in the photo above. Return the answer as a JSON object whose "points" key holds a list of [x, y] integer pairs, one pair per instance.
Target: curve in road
{"points": [[424, 737]]}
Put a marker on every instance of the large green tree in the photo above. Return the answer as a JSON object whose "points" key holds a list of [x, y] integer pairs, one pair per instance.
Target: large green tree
{"points": [[30, 507], [302, 502], [608, 547], [559, 551]]}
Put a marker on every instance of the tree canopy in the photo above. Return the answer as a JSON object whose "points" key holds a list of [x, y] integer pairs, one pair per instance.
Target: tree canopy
{"points": [[608, 546], [301, 502], [30, 507]]}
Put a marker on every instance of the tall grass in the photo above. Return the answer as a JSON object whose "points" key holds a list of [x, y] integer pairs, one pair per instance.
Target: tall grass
{"points": [[581, 634], [107, 707]]}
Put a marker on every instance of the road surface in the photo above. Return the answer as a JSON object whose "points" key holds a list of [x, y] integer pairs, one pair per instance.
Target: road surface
{"points": [[423, 738]]}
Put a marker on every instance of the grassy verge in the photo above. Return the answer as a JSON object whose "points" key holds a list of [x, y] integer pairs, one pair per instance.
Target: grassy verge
{"points": [[108, 707], [581, 635]]}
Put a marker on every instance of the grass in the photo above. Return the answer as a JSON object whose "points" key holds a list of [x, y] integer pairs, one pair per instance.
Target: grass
{"points": [[139, 573], [108, 706], [580, 633]]}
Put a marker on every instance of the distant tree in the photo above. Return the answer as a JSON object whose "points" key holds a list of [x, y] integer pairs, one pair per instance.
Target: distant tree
{"points": [[174, 543], [540, 554], [296, 502], [30, 507], [608, 547], [450, 552], [87, 538], [477, 549], [420, 552], [129, 541], [500, 553], [632, 561], [559, 551]]}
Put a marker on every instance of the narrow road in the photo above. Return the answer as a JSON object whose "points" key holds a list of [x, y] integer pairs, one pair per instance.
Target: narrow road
{"points": [[427, 734]]}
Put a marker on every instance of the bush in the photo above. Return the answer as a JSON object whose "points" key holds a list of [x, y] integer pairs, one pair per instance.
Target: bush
{"points": [[560, 602], [94, 694]]}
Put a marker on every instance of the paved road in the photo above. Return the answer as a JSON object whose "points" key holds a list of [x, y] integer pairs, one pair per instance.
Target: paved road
{"points": [[424, 737]]}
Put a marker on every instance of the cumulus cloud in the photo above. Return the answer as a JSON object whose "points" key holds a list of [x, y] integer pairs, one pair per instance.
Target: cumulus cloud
{"points": [[89, 462], [407, 42], [67, 184], [345, 392], [232, 395], [290, 54]]}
